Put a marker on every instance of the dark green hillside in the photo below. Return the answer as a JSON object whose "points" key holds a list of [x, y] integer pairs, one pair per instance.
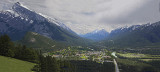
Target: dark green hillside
{"points": [[35, 40]]}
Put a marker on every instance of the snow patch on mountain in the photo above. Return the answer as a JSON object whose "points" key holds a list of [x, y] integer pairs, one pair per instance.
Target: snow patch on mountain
{"points": [[23, 6], [135, 27], [22, 11]]}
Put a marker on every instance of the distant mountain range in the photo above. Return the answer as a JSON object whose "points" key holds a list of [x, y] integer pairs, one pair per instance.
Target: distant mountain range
{"points": [[39, 31], [96, 35], [147, 35], [20, 20]]}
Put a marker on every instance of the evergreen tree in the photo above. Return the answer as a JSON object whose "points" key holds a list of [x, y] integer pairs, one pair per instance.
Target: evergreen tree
{"points": [[47, 64], [6, 46], [43, 64], [52, 64], [18, 52], [27, 54]]}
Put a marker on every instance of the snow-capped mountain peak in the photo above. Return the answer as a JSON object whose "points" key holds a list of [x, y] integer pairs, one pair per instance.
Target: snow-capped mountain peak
{"points": [[99, 31], [19, 19], [18, 3], [22, 11], [132, 28], [96, 35]]}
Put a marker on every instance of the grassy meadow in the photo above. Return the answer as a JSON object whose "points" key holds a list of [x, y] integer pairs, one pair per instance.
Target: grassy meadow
{"points": [[8, 64]]}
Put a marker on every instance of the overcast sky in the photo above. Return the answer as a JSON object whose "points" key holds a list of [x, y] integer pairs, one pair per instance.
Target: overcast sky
{"points": [[84, 16]]}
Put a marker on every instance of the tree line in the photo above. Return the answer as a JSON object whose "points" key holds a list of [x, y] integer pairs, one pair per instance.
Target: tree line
{"points": [[10, 49], [50, 64]]}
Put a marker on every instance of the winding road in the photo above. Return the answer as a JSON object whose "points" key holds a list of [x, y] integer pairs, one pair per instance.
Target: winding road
{"points": [[116, 66], [115, 62]]}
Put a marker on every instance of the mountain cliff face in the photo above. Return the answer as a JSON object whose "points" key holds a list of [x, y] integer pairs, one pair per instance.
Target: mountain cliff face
{"points": [[135, 36], [19, 20], [96, 35]]}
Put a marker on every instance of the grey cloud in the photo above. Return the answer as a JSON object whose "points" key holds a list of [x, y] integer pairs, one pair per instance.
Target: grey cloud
{"points": [[84, 16], [88, 13], [147, 13]]}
